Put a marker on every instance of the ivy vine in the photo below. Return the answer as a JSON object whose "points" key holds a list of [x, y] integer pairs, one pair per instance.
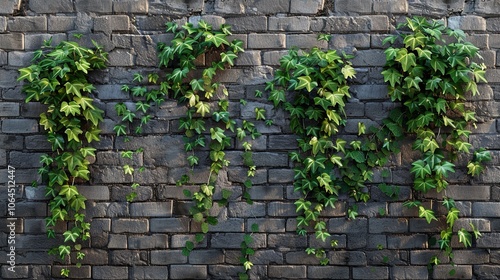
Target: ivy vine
{"points": [[432, 76], [58, 79], [207, 122]]}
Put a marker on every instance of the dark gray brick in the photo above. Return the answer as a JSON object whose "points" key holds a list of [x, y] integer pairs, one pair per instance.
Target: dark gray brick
{"points": [[267, 224], [206, 257], [131, 6], [130, 226], [304, 41], [233, 240], [60, 23], [169, 225], [128, 257], [461, 272], [188, 272], [487, 271], [95, 6], [50, 7], [485, 209], [387, 225], [27, 24], [306, 6], [151, 209], [489, 240], [287, 271], [149, 272], [353, 6], [110, 272], [281, 209], [267, 257], [341, 225], [370, 272], [341, 24], [266, 41], [94, 192], [350, 258], [472, 256], [407, 242], [21, 126], [9, 109], [155, 241], [422, 257], [325, 272], [299, 23], [117, 241], [291, 240], [20, 271], [390, 6], [82, 272], [409, 272], [245, 210]]}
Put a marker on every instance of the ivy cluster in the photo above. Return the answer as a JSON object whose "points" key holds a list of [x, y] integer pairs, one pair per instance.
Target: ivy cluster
{"points": [[431, 76], [58, 79]]}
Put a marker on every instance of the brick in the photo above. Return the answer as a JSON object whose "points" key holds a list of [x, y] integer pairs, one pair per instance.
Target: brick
{"points": [[131, 6], [228, 225], [467, 23], [267, 257], [356, 6], [459, 192], [387, 225], [266, 41], [21, 271], [472, 256], [341, 225], [9, 6], [109, 272], [272, 57], [155, 241], [267, 224], [348, 258], [120, 57], [390, 6], [21, 126], [300, 257], [483, 225], [3, 57], [489, 240], [282, 209], [169, 225], [206, 257], [304, 41], [267, 192], [9, 109], [461, 272], [149, 272], [421, 225], [109, 24], [289, 24], [128, 257], [94, 6], [487, 271], [27, 24], [307, 7], [248, 58], [409, 272], [3, 24], [117, 241], [280, 176], [287, 271], [76, 272], [435, 8], [36, 41], [61, 23], [485, 209], [422, 257], [486, 7], [407, 242], [25, 160], [245, 210], [151, 209], [130, 226], [370, 272], [366, 58], [289, 240], [341, 24], [342, 41], [94, 192], [50, 7], [188, 272], [12, 41], [326, 272], [20, 59]]}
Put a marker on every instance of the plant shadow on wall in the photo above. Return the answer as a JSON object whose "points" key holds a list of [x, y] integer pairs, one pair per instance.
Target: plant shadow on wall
{"points": [[58, 79], [430, 77], [207, 122]]}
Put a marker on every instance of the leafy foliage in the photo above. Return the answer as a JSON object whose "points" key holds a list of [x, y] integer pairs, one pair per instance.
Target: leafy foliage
{"points": [[431, 76], [58, 79]]}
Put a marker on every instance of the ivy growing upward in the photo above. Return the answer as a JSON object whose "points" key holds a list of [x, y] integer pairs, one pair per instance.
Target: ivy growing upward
{"points": [[432, 76], [58, 79]]}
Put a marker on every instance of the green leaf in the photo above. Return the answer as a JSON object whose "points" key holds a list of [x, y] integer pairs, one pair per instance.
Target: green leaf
{"points": [[427, 214], [444, 168], [203, 108], [465, 238], [127, 169], [348, 71], [407, 60], [71, 108], [452, 216], [216, 39], [392, 76], [228, 57], [307, 83], [69, 191], [414, 40], [70, 235], [73, 133], [74, 88]]}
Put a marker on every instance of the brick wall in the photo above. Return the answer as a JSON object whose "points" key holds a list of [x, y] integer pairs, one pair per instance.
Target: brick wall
{"points": [[144, 239]]}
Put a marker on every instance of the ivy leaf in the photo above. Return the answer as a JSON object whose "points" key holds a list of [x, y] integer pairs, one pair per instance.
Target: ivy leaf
{"points": [[414, 40], [427, 214], [73, 133], [444, 168], [127, 169], [465, 238], [203, 108], [93, 115], [70, 235], [63, 252], [74, 88], [392, 76], [69, 191], [348, 71], [228, 57], [406, 59], [217, 134], [438, 65], [71, 108], [307, 83], [452, 216], [216, 39]]}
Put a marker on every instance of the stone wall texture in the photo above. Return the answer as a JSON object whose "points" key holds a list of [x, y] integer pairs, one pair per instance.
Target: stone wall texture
{"points": [[143, 239]]}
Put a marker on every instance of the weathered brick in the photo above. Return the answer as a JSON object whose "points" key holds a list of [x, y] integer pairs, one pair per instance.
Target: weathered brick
{"points": [[485, 209], [267, 257], [407, 242], [109, 24], [128, 257], [248, 58], [366, 58], [12, 41], [50, 7], [467, 23], [267, 224], [9, 109], [149, 272], [282, 209], [370, 272], [422, 257], [280, 176], [61, 23], [266, 41], [245, 210], [36, 41], [109, 272], [287, 271], [342, 41], [130, 226], [151, 209], [27, 24], [289, 24], [206, 257], [435, 8], [341, 24], [304, 41], [325, 272], [341, 225], [489, 240], [461, 272], [307, 7], [390, 6], [265, 192], [20, 271], [487, 271], [83, 272], [19, 126], [131, 6], [486, 7], [356, 6], [290, 240], [94, 192], [9, 6], [94, 6], [169, 225], [387, 225], [188, 272], [409, 272]]}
